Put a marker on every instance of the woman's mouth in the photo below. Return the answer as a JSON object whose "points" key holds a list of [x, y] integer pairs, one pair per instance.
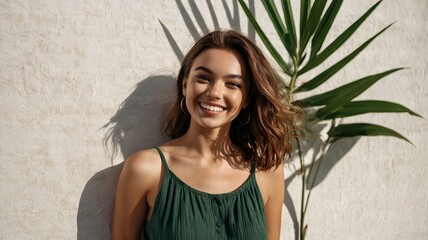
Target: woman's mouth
{"points": [[211, 108]]}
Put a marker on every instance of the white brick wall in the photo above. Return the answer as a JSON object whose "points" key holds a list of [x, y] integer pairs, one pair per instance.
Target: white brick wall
{"points": [[66, 67]]}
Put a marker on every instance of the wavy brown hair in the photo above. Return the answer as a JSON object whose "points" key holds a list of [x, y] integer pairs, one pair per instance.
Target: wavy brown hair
{"points": [[267, 135]]}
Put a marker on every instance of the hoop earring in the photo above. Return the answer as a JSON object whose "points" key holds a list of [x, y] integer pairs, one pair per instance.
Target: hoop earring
{"points": [[248, 119], [181, 106]]}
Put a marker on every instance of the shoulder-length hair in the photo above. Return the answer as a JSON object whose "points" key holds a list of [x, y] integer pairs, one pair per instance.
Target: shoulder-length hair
{"points": [[267, 135]]}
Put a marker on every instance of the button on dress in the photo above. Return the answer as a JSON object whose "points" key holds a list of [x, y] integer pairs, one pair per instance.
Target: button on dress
{"points": [[182, 212]]}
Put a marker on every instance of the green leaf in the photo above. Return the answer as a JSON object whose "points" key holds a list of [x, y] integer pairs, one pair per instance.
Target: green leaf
{"points": [[339, 41], [363, 129], [265, 40], [324, 26], [368, 106], [278, 24], [304, 11], [289, 22], [338, 97], [324, 76], [313, 20]]}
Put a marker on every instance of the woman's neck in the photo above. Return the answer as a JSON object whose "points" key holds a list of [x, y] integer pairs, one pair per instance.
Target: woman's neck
{"points": [[210, 145], [207, 141]]}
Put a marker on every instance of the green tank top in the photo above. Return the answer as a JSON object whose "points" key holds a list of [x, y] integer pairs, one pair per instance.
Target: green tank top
{"points": [[184, 213]]}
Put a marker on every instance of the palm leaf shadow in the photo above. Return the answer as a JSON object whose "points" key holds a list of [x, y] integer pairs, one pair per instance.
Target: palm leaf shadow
{"points": [[334, 154], [233, 21]]}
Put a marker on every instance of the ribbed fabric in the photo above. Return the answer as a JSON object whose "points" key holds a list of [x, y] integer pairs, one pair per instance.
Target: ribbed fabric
{"points": [[182, 212]]}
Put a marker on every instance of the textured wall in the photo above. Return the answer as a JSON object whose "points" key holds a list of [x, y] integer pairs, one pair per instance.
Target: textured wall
{"points": [[67, 68]]}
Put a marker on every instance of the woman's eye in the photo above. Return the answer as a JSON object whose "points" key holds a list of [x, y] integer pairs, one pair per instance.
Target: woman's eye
{"points": [[202, 78], [234, 85]]}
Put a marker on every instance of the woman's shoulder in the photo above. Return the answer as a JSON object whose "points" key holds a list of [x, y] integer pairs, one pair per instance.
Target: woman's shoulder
{"points": [[270, 180], [272, 173], [143, 164], [143, 157]]}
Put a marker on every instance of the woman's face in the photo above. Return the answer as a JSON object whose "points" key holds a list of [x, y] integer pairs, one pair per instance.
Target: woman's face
{"points": [[216, 88]]}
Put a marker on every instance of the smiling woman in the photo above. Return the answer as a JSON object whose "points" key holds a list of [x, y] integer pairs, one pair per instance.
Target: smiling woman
{"points": [[220, 176], [215, 91]]}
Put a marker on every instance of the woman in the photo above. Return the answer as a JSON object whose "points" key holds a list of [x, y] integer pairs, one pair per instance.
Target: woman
{"points": [[221, 175]]}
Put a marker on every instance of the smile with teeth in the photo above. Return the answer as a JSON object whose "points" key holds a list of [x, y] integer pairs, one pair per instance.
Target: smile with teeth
{"points": [[211, 108]]}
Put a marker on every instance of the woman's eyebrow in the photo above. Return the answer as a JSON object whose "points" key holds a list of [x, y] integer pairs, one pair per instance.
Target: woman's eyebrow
{"points": [[205, 69]]}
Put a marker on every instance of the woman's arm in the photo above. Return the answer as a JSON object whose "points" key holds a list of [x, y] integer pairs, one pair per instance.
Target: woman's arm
{"points": [[273, 206], [130, 209]]}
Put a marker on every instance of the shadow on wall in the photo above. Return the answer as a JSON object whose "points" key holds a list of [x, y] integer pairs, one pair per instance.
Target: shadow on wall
{"points": [[232, 15], [135, 126], [334, 154]]}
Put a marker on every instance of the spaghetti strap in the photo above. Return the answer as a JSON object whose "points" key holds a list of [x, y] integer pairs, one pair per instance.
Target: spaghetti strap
{"points": [[162, 158], [253, 165]]}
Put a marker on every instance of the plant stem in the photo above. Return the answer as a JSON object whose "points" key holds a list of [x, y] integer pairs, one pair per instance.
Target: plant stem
{"points": [[292, 87], [326, 143], [302, 170], [294, 77]]}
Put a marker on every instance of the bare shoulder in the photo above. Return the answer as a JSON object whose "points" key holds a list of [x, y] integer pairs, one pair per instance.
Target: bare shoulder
{"points": [[272, 174], [271, 182], [142, 159], [143, 164]]}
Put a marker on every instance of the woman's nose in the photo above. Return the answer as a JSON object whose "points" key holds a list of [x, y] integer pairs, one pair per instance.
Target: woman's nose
{"points": [[214, 90]]}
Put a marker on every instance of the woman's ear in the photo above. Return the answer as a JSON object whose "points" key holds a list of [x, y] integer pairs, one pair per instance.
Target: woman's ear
{"points": [[246, 103], [184, 86]]}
